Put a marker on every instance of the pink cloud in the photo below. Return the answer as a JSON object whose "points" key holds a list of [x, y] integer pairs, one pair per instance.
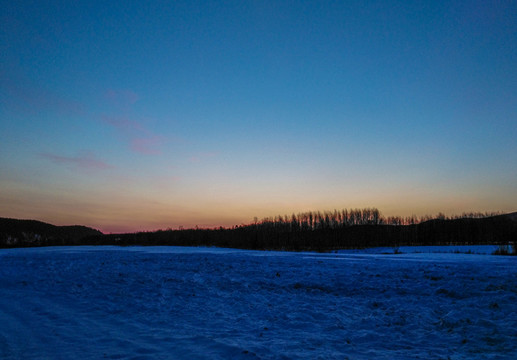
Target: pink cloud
{"points": [[148, 146], [139, 138], [85, 161]]}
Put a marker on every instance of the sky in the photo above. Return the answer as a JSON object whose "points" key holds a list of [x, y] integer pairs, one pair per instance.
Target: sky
{"points": [[143, 115]]}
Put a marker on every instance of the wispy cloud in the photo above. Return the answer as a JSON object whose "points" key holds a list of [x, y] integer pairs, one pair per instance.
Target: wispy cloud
{"points": [[139, 138], [149, 145], [86, 161]]}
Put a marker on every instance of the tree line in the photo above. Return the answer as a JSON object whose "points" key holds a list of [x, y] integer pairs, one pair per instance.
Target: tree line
{"points": [[349, 217], [332, 230]]}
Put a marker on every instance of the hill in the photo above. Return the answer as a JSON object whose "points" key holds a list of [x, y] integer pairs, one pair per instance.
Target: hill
{"points": [[21, 233], [512, 216]]}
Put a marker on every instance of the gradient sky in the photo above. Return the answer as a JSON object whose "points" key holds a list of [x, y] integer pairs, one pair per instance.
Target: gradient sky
{"points": [[136, 115]]}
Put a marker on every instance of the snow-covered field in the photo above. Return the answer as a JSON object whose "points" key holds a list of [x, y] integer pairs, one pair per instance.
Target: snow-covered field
{"points": [[201, 303]]}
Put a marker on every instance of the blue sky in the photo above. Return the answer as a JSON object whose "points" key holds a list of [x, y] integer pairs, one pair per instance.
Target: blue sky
{"points": [[134, 115]]}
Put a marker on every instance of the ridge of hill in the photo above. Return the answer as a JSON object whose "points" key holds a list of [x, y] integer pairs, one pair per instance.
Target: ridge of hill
{"points": [[511, 216], [20, 233]]}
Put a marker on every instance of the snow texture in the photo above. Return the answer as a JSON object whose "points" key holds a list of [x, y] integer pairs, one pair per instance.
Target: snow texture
{"points": [[203, 303]]}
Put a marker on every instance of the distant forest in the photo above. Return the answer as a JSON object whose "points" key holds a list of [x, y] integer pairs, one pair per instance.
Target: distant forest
{"points": [[308, 231]]}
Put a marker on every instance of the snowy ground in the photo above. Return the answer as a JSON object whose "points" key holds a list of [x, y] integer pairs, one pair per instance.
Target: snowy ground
{"points": [[198, 303]]}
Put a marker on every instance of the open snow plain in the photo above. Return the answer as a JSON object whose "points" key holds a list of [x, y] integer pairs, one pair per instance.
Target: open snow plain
{"points": [[198, 303]]}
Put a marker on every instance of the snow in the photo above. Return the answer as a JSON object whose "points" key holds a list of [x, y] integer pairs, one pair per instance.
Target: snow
{"points": [[208, 303]]}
